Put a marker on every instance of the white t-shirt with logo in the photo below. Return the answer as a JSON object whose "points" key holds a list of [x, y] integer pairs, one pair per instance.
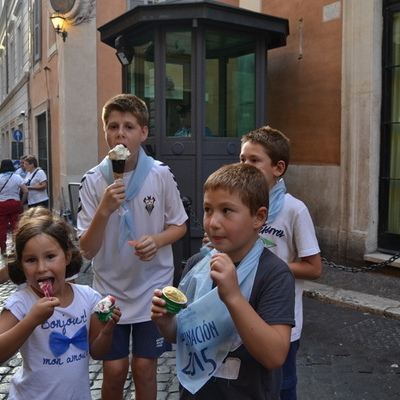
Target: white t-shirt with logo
{"points": [[293, 233], [118, 271]]}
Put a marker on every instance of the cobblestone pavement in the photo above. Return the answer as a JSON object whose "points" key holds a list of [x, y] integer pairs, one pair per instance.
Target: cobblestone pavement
{"points": [[344, 354]]}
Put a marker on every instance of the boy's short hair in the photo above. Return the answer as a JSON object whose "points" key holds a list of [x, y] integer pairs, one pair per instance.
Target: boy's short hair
{"points": [[247, 181], [274, 142], [126, 103]]}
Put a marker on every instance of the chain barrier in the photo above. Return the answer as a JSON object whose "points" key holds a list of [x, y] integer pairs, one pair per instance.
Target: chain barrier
{"points": [[372, 267], [188, 207], [196, 220], [187, 203]]}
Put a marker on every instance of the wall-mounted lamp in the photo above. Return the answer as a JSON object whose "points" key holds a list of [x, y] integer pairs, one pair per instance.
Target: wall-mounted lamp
{"points": [[124, 53], [58, 22]]}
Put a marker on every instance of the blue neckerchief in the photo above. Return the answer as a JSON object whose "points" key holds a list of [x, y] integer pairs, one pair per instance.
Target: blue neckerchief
{"points": [[59, 343], [144, 165], [205, 330], [276, 200]]}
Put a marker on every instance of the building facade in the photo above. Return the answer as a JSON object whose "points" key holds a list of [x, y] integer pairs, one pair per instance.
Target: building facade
{"points": [[15, 64], [336, 101], [332, 90]]}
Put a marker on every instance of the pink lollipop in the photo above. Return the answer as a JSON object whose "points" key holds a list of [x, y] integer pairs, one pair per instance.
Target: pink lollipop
{"points": [[45, 287]]}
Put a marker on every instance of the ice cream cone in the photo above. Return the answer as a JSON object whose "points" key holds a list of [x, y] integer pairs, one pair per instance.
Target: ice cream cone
{"points": [[117, 176], [117, 156], [118, 167]]}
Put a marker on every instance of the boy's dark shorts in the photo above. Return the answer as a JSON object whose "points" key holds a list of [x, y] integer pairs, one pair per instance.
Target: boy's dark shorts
{"points": [[290, 373], [146, 342]]}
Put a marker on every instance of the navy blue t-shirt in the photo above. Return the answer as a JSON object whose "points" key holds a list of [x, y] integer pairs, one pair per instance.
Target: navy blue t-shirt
{"points": [[272, 297]]}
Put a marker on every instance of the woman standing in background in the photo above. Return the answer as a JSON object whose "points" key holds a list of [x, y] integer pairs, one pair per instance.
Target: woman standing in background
{"points": [[36, 180], [10, 204]]}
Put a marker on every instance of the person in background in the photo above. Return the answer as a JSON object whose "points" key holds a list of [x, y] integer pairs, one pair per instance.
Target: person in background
{"points": [[21, 171], [185, 116], [36, 180], [289, 230], [145, 208], [11, 185], [234, 334]]}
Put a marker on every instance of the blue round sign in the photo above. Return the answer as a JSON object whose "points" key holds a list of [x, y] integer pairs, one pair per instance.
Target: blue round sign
{"points": [[17, 164], [18, 135]]}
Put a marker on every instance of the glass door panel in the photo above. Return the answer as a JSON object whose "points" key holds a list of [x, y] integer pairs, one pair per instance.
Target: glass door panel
{"points": [[140, 78], [230, 84], [394, 169], [389, 204], [394, 182], [178, 83]]}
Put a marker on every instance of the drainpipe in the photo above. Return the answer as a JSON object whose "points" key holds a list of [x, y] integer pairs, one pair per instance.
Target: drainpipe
{"points": [[6, 45]]}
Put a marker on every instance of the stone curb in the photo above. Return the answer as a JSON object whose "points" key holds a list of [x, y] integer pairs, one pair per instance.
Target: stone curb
{"points": [[348, 298]]}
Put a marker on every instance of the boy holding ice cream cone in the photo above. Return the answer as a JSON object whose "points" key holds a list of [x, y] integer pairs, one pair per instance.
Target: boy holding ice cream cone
{"points": [[143, 207]]}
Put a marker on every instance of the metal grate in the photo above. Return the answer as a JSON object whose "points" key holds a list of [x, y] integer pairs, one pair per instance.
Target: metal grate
{"points": [[73, 191]]}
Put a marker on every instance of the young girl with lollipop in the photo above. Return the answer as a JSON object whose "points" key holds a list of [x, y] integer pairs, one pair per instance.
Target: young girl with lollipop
{"points": [[54, 331]]}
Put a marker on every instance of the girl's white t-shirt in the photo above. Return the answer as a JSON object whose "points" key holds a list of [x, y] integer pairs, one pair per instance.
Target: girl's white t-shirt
{"points": [[44, 376]]}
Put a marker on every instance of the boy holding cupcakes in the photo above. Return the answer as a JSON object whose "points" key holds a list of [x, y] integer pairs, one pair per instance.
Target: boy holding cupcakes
{"points": [[143, 207], [234, 334]]}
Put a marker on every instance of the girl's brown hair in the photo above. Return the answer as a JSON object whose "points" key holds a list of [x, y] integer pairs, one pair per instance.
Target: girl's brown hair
{"points": [[55, 227]]}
